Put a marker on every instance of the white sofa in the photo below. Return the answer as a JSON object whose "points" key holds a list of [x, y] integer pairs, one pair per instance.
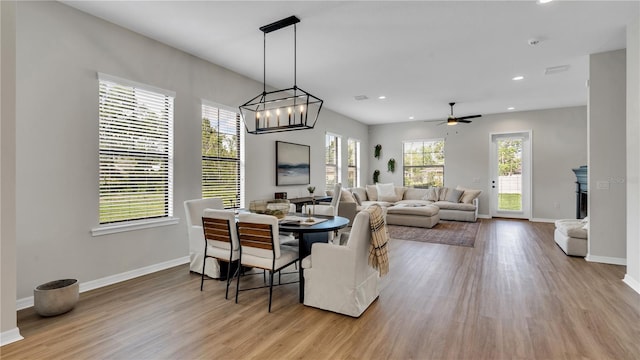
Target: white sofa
{"points": [[572, 235], [459, 204]]}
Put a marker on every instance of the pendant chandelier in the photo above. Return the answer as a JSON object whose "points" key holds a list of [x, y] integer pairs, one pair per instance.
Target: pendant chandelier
{"points": [[280, 110]]}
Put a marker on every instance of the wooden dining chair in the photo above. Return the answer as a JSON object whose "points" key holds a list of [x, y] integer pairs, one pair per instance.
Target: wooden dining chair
{"points": [[221, 241], [260, 248]]}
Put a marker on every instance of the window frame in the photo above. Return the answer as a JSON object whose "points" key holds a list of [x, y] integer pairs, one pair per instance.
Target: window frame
{"points": [[167, 218], [356, 166], [336, 166], [405, 167], [239, 199]]}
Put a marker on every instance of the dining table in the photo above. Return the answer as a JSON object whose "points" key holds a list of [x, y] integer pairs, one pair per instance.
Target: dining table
{"points": [[308, 234]]}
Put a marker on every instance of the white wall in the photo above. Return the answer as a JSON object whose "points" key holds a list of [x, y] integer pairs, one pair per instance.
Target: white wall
{"points": [[8, 326], [633, 155], [558, 140], [607, 157], [59, 51]]}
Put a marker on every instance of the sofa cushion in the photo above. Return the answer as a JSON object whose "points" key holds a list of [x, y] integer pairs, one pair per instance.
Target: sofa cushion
{"points": [[447, 205], [432, 194], [384, 204], [442, 193], [414, 202], [356, 197], [386, 192], [573, 228], [372, 193], [414, 194], [454, 195], [346, 196], [362, 193], [469, 194]]}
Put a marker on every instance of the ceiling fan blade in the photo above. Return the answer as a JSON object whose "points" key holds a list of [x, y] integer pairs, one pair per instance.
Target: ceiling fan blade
{"points": [[464, 121], [468, 117]]}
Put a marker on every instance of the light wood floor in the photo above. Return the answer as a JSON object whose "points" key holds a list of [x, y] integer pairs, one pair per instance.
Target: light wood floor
{"points": [[514, 295]]}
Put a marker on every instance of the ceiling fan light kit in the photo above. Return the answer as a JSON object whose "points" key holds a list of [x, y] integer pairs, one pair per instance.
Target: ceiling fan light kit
{"points": [[280, 110]]}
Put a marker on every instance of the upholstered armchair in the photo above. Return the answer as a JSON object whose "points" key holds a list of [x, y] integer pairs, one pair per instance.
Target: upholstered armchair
{"points": [[338, 278], [326, 209], [194, 209]]}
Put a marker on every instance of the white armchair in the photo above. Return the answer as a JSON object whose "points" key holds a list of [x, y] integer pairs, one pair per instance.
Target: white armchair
{"points": [[194, 209], [339, 278], [323, 209]]}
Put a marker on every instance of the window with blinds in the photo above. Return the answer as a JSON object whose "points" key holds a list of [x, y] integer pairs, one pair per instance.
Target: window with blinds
{"points": [[135, 150], [423, 163], [332, 160], [353, 166], [221, 155]]}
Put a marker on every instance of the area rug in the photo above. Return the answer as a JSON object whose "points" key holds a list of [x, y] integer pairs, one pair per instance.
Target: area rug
{"points": [[457, 233]]}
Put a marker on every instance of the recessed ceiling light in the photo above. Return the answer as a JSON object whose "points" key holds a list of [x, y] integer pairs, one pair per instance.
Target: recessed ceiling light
{"points": [[382, 97], [544, 1], [511, 108], [516, 78], [411, 117]]}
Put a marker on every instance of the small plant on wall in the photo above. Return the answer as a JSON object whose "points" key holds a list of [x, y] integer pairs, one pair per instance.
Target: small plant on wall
{"points": [[376, 176], [391, 165], [377, 151]]}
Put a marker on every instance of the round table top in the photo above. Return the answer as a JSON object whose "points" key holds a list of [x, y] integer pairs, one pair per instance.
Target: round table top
{"points": [[332, 223]]}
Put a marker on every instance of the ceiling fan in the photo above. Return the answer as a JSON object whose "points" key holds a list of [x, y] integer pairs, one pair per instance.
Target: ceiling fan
{"points": [[452, 120]]}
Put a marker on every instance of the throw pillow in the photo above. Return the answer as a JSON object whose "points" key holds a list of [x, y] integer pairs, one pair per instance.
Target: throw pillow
{"points": [[346, 196], [442, 195], [372, 193], [329, 193], [386, 192], [356, 197], [469, 195], [432, 195], [400, 190], [454, 195]]}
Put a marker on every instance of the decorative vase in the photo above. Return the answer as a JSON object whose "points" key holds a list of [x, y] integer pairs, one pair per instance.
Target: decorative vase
{"points": [[56, 297]]}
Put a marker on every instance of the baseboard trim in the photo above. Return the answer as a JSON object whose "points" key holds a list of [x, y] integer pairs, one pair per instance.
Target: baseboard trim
{"points": [[606, 260], [543, 220], [482, 216], [113, 279], [633, 283], [10, 336]]}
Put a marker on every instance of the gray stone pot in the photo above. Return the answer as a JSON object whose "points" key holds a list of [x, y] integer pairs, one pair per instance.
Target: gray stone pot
{"points": [[56, 297]]}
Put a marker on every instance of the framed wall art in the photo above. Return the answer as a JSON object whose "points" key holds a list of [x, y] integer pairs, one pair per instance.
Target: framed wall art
{"points": [[292, 164]]}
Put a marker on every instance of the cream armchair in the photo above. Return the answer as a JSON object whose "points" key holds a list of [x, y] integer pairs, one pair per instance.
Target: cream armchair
{"points": [[194, 209], [339, 278], [324, 209]]}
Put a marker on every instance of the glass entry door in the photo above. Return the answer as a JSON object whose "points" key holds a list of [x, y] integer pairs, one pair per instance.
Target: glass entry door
{"points": [[510, 182]]}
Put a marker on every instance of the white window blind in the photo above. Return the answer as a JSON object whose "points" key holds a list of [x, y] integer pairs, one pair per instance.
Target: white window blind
{"points": [[221, 155], [136, 151], [353, 166], [332, 160]]}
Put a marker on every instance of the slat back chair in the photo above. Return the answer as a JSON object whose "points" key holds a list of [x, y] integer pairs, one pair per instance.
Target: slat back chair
{"points": [[260, 248], [221, 241]]}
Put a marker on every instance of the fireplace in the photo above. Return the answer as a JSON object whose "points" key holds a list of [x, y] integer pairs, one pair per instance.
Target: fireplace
{"points": [[581, 191]]}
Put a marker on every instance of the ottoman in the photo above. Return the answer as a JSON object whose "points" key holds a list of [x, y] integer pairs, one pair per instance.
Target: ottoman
{"points": [[571, 235], [426, 216]]}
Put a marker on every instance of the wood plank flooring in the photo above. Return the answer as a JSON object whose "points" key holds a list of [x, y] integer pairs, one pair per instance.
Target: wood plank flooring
{"points": [[514, 295]]}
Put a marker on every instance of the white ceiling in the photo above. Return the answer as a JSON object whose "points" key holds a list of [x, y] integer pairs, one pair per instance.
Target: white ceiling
{"points": [[419, 54]]}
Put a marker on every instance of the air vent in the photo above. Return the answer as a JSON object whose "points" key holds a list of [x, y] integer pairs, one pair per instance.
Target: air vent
{"points": [[361, 97], [556, 69]]}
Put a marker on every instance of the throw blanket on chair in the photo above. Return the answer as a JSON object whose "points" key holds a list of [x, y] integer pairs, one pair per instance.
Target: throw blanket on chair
{"points": [[378, 257]]}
